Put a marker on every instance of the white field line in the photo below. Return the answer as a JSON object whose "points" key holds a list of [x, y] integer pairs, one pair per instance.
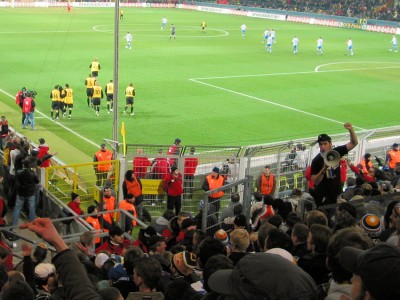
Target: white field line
{"points": [[199, 81], [57, 123]]}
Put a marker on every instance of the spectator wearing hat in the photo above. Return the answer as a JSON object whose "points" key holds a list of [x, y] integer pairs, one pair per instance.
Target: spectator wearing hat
{"points": [[43, 272], [174, 147], [75, 204], [214, 181], [128, 204], [222, 236], [183, 265], [327, 180], [189, 170], [140, 164], [366, 164], [239, 243], [371, 225], [340, 284], [240, 222], [266, 182], [173, 186], [375, 271], [102, 164], [314, 263], [393, 157], [266, 275]]}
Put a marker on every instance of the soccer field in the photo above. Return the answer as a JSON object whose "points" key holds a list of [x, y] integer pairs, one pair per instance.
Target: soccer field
{"points": [[217, 88]]}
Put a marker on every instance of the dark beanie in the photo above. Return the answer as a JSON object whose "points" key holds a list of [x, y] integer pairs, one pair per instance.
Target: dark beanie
{"points": [[74, 196]]}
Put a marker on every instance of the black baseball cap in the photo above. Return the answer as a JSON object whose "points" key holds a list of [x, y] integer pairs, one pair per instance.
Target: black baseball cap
{"points": [[324, 138]]}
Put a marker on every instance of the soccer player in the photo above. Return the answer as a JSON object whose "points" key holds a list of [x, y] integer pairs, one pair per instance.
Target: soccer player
{"points": [[163, 23], [394, 44], [203, 26], [89, 82], [69, 7], [55, 97], [243, 28], [110, 96], [266, 35], [129, 39], [273, 34], [130, 97], [95, 67], [173, 32], [121, 14], [295, 43], [69, 99], [269, 44], [349, 47], [320, 44], [96, 97]]}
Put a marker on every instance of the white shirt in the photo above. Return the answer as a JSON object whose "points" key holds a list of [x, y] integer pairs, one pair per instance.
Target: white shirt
{"points": [[128, 37], [164, 20], [349, 43], [295, 41], [243, 27], [394, 40], [272, 33], [320, 42]]}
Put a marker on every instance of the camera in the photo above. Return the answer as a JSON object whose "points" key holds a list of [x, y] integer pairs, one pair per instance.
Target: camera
{"points": [[30, 93]]}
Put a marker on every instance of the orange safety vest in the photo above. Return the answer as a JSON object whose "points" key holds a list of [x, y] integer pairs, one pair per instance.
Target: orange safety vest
{"points": [[267, 184], [133, 187], [215, 183], [394, 158], [96, 225], [104, 156], [129, 207], [110, 205], [364, 166]]}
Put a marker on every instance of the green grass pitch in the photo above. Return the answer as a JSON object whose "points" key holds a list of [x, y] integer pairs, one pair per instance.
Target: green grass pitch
{"points": [[217, 88]]}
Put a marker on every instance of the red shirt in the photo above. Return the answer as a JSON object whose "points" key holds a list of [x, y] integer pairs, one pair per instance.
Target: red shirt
{"points": [[75, 207], [190, 166], [44, 150], [140, 165], [174, 188], [27, 105]]}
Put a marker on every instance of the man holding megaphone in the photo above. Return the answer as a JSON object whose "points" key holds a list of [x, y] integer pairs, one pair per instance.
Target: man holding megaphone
{"points": [[325, 167]]}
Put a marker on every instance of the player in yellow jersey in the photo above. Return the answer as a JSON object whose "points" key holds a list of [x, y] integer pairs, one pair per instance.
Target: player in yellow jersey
{"points": [[69, 99], [96, 97], [55, 96], [203, 26], [110, 96], [95, 68], [130, 97], [121, 14], [89, 82]]}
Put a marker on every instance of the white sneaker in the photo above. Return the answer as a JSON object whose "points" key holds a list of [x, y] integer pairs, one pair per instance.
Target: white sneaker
{"points": [[108, 112], [97, 114], [69, 117], [132, 114], [111, 109], [124, 112]]}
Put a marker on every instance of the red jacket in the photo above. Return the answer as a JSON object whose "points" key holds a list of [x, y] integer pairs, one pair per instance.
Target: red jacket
{"points": [[75, 207], [173, 186], [28, 105], [190, 165], [113, 249], [44, 150], [140, 165]]}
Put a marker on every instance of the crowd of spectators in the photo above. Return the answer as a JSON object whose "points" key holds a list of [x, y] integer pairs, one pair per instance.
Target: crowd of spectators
{"points": [[364, 9]]}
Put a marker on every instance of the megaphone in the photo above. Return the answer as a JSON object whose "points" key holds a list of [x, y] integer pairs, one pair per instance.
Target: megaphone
{"points": [[331, 158]]}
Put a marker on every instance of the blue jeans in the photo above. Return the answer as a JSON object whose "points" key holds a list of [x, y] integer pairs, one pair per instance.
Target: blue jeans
{"points": [[20, 203], [29, 116]]}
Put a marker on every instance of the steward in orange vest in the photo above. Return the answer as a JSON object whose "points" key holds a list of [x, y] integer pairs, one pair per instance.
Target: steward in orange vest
{"points": [[266, 182], [393, 157], [212, 182], [102, 169], [128, 205], [366, 164], [94, 222], [109, 203]]}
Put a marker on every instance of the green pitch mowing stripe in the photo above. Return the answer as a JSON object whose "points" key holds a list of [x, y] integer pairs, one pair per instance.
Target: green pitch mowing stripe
{"points": [[217, 88]]}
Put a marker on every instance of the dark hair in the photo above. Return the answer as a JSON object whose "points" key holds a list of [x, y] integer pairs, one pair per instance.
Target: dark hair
{"points": [[263, 232], [320, 237], [258, 196], [275, 220], [345, 237], [109, 293], [17, 290], [215, 263], [350, 208], [300, 231], [278, 239], [235, 197], [149, 270], [168, 214], [268, 200], [3, 276], [91, 209], [207, 248], [316, 217], [344, 220], [131, 257]]}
